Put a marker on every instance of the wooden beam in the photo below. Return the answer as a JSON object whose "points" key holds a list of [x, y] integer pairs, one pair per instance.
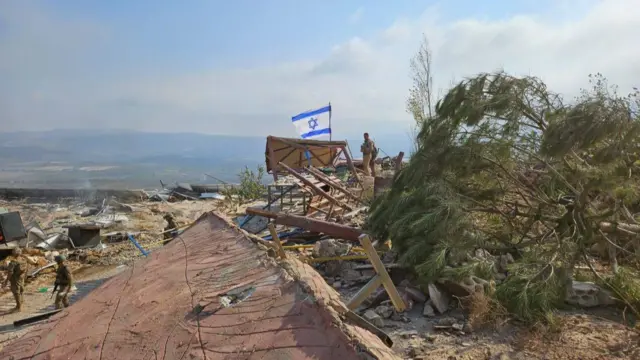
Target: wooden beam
{"points": [[332, 229], [397, 301], [271, 156], [276, 240], [352, 167], [399, 161], [321, 143], [322, 177], [363, 293], [314, 187]]}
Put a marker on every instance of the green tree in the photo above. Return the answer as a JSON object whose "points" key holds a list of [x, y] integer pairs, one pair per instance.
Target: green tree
{"points": [[504, 165]]}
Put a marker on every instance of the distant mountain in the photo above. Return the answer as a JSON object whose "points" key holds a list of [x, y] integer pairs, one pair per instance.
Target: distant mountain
{"points": [[116, 158]]}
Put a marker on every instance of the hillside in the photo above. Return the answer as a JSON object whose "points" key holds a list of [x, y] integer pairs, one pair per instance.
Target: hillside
{"points": [[128, 159]]}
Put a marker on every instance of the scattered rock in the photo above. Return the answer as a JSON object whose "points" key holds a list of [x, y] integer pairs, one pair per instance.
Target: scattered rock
{"points": [[377, 298], [439, 299], [467, 287], [406, 299], [330, 248], [350, 275], [467, 328], [384, 311], [408, 334], [447, 321], [415, 294], [457, 326], [503, 262], [400, 317], [337, 285], [588, 294], [428, 310], [372, 317]]}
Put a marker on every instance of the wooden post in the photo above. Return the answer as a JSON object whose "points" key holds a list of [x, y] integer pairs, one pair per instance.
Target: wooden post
{"points": [[397, 301], [272, 159], [399, 161], [276, 240], [363, 293], [329, 212]]}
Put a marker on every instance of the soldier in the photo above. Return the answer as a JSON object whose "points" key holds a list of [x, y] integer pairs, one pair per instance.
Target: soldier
{"points": [[369, 155], [171, 225], [15, 276], [64, 282]]}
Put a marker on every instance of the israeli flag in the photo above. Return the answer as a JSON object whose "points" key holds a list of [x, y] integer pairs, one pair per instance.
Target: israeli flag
{"points": [[313, 124]]}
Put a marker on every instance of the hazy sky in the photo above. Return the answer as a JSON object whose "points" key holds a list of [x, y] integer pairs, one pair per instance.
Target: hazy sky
{"points": [[246, 67]]}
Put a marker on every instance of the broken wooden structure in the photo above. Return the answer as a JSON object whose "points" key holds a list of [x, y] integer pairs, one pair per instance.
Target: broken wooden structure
{"points": [[301, 153]]}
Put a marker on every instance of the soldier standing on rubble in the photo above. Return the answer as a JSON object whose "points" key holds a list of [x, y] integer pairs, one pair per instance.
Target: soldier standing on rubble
{"points": [[17, 270], [64, 282], [369, 155], [170, 229]]}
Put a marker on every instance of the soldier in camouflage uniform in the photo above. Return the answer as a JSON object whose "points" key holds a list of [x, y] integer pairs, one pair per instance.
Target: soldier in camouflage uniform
{"points": [[171, 225], [64, 282], [15, 276]]}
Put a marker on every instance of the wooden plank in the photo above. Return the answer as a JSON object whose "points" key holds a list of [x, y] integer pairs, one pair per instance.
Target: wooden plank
{"points": [[397, 301], [276, 240], [363, 293], [332, 229], [322, 177], [314, 187], [351, 166]]}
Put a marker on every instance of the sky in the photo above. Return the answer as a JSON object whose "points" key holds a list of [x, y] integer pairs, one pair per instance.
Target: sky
{"points": [[246, 67]]}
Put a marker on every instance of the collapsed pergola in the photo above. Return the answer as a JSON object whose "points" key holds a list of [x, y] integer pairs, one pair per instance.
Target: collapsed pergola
{"points": [[298, 154]]}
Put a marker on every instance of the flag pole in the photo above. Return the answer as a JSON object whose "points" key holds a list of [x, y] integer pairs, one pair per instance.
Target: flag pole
{"points": [[330, 129]]}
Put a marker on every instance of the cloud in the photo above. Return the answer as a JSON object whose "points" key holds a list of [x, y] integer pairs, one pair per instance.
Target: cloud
{"points": [[356, 16], [365, 78]]}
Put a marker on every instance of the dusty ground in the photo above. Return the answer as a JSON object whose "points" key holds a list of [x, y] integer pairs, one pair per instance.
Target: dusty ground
{"points": [[87, 279], [597, 335]]}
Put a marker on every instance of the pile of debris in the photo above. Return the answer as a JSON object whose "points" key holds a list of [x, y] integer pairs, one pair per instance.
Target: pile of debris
{"points": [[185, 191]]}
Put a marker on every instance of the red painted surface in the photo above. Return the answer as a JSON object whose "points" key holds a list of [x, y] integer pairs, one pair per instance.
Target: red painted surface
{"points": [[147, 311]]}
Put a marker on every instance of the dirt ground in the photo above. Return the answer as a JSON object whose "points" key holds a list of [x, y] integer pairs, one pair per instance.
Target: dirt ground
{"points": [[87, 279], [594, 335]]}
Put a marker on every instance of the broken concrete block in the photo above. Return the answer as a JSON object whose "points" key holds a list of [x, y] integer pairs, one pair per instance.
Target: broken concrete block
{"points": [[330, 248], [384, 311], [588, 294], [466, 287], [372, 317], [439, 299], [415, 294], [503, 262], [348, 274], [428, 310]]}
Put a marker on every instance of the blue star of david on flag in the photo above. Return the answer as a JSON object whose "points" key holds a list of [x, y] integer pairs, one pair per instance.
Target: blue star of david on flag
{"points": [[313, 123]]}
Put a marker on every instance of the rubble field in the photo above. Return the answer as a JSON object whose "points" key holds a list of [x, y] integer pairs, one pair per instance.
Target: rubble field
{"points": [[210, 294], [320, 230]]}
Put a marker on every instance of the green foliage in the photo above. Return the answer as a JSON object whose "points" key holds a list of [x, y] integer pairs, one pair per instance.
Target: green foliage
{"points": [[250, 187], [507, 166]]}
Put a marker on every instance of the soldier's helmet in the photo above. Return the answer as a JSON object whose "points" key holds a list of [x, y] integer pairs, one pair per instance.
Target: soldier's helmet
{"points": [[168, 216], [59, 258], [17, 251]]}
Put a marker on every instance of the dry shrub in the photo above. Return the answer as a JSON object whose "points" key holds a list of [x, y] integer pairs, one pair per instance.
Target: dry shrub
{"points": [[484, 310]]}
